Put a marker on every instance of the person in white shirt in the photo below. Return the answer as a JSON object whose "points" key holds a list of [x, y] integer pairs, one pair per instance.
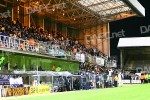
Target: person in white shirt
{"points": [[11, 81], [119, 78], [110, 75], [110, 72]]}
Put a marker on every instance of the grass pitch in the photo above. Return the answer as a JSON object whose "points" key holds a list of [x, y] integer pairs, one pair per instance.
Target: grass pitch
{"points": [[131, 92]]}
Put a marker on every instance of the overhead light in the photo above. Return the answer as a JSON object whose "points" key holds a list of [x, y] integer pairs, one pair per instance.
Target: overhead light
{"points": [[74, 19]]}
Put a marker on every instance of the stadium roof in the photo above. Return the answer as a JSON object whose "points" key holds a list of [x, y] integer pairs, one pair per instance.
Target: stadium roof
{"points": [[85, 13], [134, 42], [44, 73]]}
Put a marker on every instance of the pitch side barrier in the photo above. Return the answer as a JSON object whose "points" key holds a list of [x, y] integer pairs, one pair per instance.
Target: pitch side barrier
{"points": [[8, 91], [127, 81]]}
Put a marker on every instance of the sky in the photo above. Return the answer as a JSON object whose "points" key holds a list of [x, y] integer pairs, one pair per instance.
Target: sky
{"points": [[132, 27]]}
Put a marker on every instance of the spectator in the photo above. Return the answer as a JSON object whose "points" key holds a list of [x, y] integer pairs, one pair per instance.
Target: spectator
{"points": [[15, 67], [53, 67], [6, 66], [142, 77], [40, 68], [106, 80], [31, 67], [33, 34], [116, 81]]}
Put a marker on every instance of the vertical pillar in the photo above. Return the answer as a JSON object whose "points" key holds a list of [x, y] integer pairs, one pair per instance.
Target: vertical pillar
{"points": [[102, 36], [26, 15], [29, 80], [66, 31], [96, 38], [121, 59], [52, 80], [99, 37], [12, 14], [18, 12], [29, 20], [105, 39], [108, 39], [91, 39], [43, 23]]}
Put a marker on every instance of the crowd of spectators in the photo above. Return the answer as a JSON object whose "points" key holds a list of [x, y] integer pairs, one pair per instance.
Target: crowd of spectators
{"points": [[103, 75], [34, 33], [15, 29]]}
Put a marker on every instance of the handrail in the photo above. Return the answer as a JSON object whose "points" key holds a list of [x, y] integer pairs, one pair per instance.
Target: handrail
{"points": [[43, 48]]}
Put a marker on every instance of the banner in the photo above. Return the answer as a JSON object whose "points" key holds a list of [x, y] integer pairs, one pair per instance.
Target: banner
{"points": [[4, 79], [33, 90], [56, 52], [77, 56], [100, 61], [39, 89], [42, 89], [80, 57], [132, 81], [58, 69], [16, 91], [112, 63], [2, 60]]}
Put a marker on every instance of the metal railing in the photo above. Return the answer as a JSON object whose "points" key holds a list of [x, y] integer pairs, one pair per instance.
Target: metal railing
{"points": [[36, 46], [50, 48]]}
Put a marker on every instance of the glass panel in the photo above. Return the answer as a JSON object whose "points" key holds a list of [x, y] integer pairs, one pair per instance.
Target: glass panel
{"points": [[104, 7]]}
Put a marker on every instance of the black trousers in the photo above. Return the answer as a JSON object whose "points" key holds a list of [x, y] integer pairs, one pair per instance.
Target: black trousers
{"points": [[116, 83], [106, 84], [142, 81], [148, 80]]}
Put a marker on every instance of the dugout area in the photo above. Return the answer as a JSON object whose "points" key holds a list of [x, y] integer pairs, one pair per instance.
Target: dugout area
{"points": [[135, 53]]}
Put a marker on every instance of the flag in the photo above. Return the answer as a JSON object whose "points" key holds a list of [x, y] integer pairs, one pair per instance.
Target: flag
{"points": [[58, 69], [2, 60]]}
